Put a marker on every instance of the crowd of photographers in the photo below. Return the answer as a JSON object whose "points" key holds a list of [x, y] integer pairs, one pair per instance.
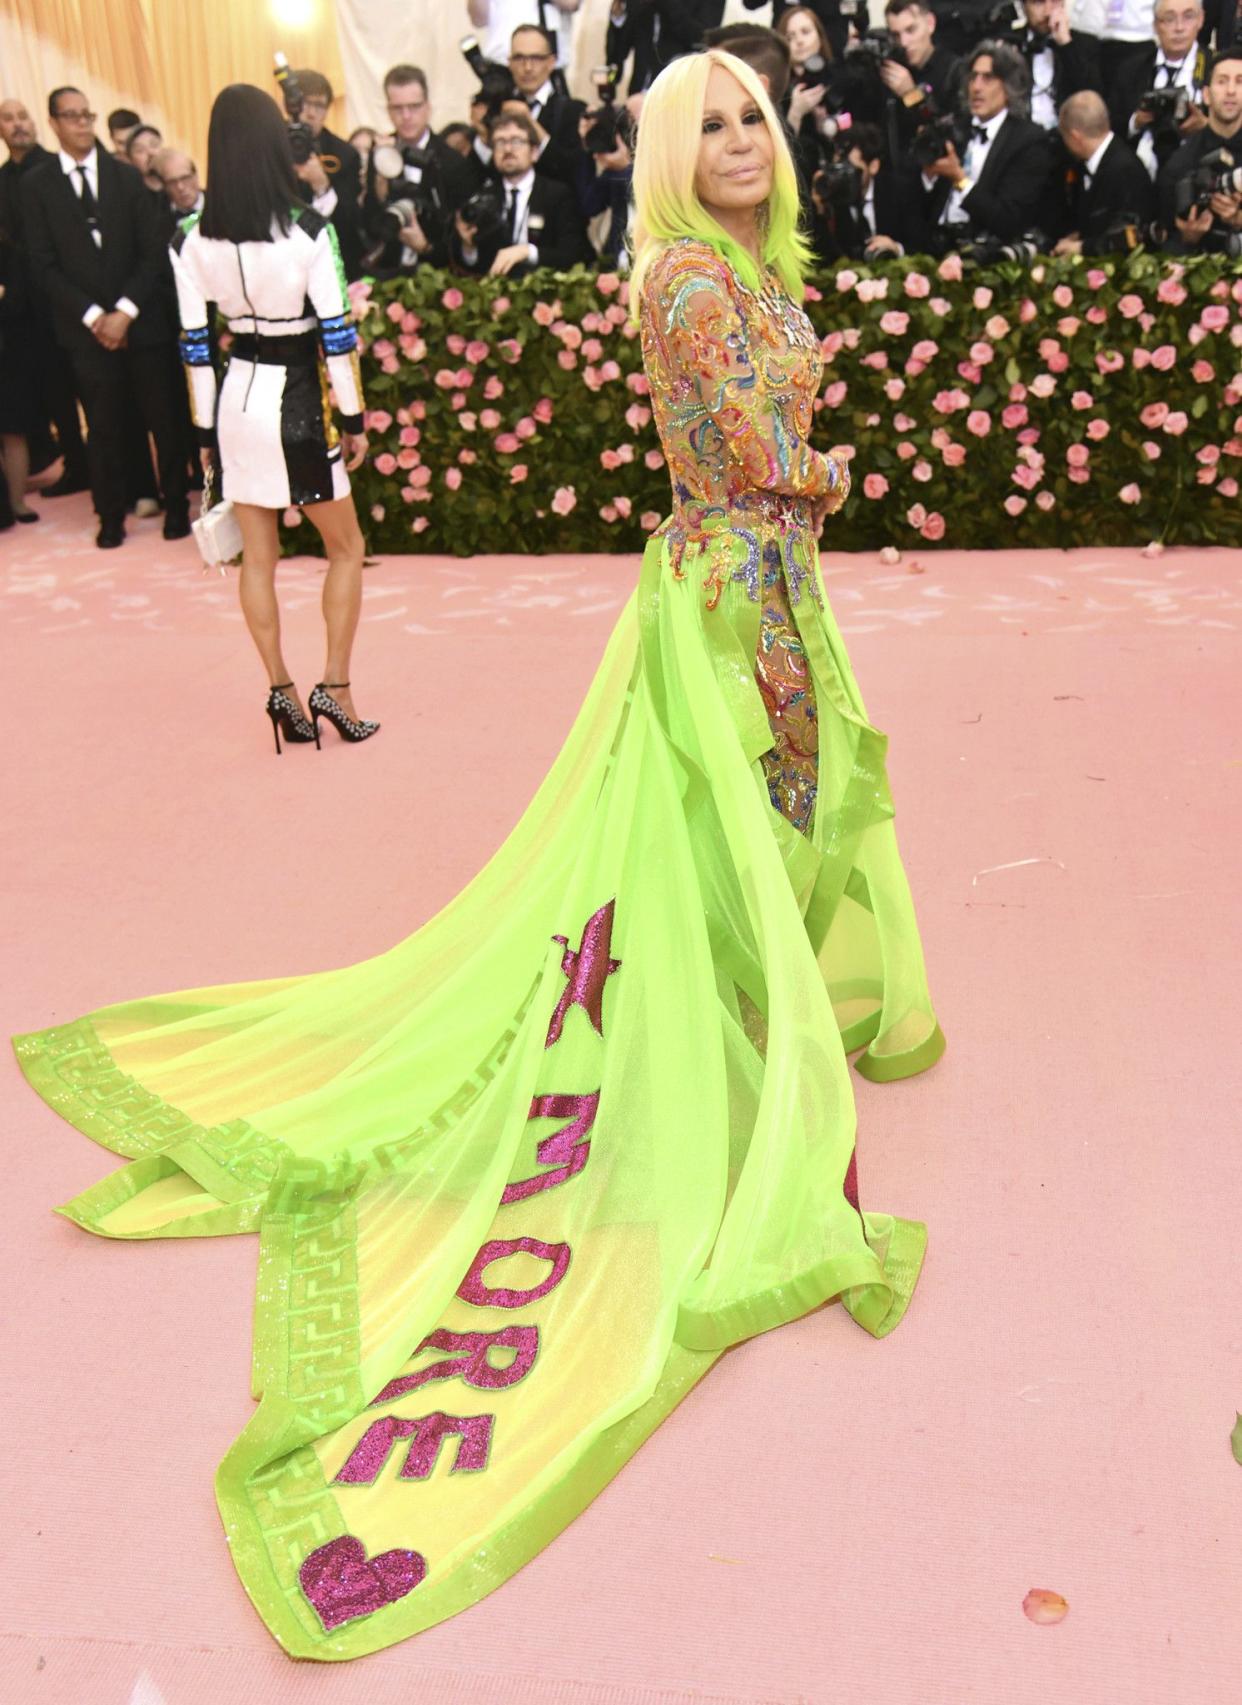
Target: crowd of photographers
{"points": [[995, 128]]}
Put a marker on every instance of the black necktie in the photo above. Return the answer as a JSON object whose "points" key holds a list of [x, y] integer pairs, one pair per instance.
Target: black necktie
{"points": [[89, 205], [511, 213]]}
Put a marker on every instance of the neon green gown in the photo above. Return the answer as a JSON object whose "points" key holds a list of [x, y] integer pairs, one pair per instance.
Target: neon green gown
{"points": [[521, 1179]]}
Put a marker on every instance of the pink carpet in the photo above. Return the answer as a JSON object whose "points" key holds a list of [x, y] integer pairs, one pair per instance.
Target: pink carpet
{"points": [[827, 1518]]}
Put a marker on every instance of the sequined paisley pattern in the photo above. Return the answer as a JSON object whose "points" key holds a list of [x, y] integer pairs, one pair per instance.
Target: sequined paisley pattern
{"points": [[733, 376]]}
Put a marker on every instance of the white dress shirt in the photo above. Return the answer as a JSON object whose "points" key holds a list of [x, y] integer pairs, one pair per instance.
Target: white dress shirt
{"points": [[1043, 73], [977, 151], [74, 170], [521, 188], [1129, 20], [505, 16]]}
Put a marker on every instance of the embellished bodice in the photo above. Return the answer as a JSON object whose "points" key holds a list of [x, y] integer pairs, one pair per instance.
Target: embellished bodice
{"points": [[733, 376]]}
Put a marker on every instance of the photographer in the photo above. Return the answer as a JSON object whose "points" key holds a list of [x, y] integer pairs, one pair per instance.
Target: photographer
{"points": [[497, 20], [1060, 62], [818, 88], [407, 212], [1110, 188], [532, 65], [523, 222], [1198, 191], [1000, 188], [920, 79], [656, 32], [1174, 69], [832, 17], [332, 174], [857, 210], [606, 169]]}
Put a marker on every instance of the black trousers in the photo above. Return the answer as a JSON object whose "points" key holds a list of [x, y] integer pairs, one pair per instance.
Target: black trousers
{"points": [[106, 379]]}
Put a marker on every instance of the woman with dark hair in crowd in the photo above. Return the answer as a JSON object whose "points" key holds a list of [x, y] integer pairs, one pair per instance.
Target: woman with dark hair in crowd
{"points": [[21, 351], [272, 267]]}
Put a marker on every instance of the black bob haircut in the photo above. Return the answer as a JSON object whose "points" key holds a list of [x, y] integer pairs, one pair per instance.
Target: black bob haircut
{"points": [[251, 182]]}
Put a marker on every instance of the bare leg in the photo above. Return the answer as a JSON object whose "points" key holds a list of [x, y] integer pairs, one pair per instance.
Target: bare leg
{"points": [[15, 452], [257, 588], [337, 525]]}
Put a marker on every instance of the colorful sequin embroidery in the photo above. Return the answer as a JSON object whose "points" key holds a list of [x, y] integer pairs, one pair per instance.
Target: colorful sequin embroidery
{"points": [[783, 676]]}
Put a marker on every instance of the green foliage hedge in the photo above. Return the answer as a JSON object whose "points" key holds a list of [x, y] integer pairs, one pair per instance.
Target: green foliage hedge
{"points": [[1072, 402]]}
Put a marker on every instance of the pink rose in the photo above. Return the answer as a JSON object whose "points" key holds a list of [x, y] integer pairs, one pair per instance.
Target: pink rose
{"points": [[979, 422], [654, 459], [610, 370], [1096, 279], [455, 343], [914, 367], [1045, 500], [526, 428], [1043, 385], [418, 410], [477, 350], [1029, 435], [1153, 452], [609, 460], [542, 410], [904, 423], [1063, 296], [409, 436], [608, 512], [507, 442], [1057, 363], [1206, 476], [1171, 290], [1202, 372], [917, 284], [953, 455], [570, 336], [517, 473], [467, 458], [1027, 477], [1078, 455], [1195, 335], [637, 416], [1078, 476], [489, 420], [1097, 430], [916, 515], [608, 283], [872, 289], [834, 396], [875, 486], [906, 452], [377, 512], [1130, 307], [894, 389], [378, 420], [1013, 416], [419, 524], [1175, 423], [939, 306], [1154, 414], [982, 297], [500, 306], [565, 500], [981, 354], [1130, 493], [385, 464], [1096, 315], [895, 323], [933, 527], [1028, 311], [452, 478], [830, 345], [1068, 327], [1214, 318], [877, 360], [649, 520], [968, 371], [381, 348], [510, 349], [1082, 400], [997, 327], [1228, 488], [452, 298], [592, 349], [1209, 455], [1014, 505], [1164, 357], [950, 269], [468, 421], [445, 378], [567, 359], [395, 312], [846, 280], [494, 388], [925, 350], [543, 313], [922, 471], [625, 452], [457, 401], [623, 506]]}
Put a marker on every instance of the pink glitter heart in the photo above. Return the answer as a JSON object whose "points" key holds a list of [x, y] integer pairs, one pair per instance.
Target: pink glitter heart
{"points": [[342, 1582]]}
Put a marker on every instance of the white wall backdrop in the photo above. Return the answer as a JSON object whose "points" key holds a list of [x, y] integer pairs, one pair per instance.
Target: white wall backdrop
{"points": [[375, 34]]}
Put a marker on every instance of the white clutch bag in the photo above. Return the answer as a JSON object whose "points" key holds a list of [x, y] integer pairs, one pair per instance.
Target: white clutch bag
{"points": [[216, 532]]}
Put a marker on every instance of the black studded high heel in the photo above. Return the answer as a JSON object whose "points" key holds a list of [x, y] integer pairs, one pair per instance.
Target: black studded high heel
{"points": [[287, 718], [323, 704]]}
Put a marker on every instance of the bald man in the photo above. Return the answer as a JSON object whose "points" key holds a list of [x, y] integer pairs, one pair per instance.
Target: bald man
{"points": [[1112, 183], [179, 176]]}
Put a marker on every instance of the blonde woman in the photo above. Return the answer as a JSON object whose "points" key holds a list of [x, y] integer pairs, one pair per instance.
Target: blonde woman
{"points": [[593, 1123]]}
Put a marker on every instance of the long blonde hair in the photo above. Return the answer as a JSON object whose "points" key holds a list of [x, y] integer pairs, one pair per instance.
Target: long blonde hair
{"points": [[666, 204]]}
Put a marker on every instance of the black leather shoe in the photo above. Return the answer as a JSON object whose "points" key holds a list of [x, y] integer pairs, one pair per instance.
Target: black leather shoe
{"points": [[110, 535], [177, 525], [67, 485]]}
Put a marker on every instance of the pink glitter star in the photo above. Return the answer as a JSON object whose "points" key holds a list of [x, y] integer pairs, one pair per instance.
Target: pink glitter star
{"points": [[588, 970]]}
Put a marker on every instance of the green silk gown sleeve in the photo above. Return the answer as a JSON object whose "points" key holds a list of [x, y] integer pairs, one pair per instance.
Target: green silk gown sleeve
{"points": [[521, 1179]]}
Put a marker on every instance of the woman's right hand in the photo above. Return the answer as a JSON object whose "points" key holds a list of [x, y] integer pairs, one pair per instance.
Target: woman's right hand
{"points": [[803, 101], [355, 448]]}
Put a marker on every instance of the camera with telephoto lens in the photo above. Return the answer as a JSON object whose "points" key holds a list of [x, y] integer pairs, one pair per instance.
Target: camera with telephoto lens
{"points": [[841, 183], [417, 172], [485, 213], [986, 251], [1217, 173], [1124, 233], [932, 139], [496, 85], [875, 48], [1169, 108], [610, 124], [301, 137]]}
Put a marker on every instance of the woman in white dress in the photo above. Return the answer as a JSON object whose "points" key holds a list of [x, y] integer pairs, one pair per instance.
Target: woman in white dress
{"points": [[270, 264]]}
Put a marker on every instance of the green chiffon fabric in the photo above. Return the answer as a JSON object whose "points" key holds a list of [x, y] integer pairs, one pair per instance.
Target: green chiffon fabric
{"points": [[521, 1179]]}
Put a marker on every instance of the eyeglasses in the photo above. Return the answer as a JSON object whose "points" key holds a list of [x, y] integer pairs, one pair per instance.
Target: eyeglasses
{"points": [[530, 58], [75, 117], [185, 178]]}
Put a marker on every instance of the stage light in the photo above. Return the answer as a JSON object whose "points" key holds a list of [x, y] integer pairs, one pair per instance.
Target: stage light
{"points": [[293, 14]]}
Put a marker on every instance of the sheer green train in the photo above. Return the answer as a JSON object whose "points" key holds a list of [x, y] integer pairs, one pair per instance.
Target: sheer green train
{"points": [[520, 1180]]}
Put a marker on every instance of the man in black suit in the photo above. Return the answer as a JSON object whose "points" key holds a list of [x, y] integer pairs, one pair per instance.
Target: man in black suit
{"points": [[332, 177], [1060, 62], [1001, 187], [858, 218], [656, 32], [532, 61], [1173, 61], [1214, 225], [1110, 183], [17, 130], [94, 241], [542, 225], [929, 82], [432, 174]]}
